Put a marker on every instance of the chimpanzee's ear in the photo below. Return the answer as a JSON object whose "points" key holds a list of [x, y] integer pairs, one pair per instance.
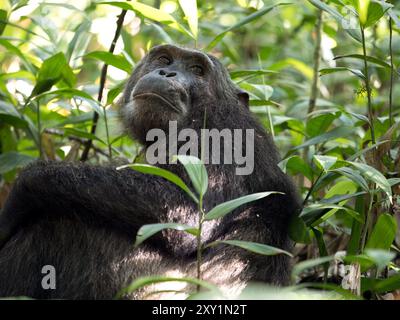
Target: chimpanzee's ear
{"points": [[243, 98]]}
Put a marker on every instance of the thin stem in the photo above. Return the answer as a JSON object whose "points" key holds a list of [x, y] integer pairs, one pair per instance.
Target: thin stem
{"points": [[310, 191], [39, 124], [317, 60], [391, 73], [315, 83], [103, 78], [271, 125], [368, 87], [107, 133], [367, 222], [199, 244]]}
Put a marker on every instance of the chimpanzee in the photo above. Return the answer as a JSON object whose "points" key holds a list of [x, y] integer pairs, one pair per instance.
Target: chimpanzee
{"points": [[82, 219]]}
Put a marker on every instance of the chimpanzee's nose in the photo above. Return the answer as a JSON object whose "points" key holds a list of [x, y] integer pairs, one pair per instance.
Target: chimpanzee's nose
{"points": [[168, 74]]}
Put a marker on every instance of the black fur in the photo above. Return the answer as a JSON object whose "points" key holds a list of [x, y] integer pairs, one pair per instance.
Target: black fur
{"points": [[82, 219]]}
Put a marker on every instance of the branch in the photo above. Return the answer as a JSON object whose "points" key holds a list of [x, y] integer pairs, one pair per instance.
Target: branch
{"points": [[103, 78], [317, 60], [60, 133]]}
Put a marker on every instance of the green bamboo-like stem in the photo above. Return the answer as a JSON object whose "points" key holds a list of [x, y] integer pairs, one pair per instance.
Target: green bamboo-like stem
{"points": [[391, 72], [317, 60], [367, 223], [315, 82], [199, 244], [311, 190], [368, 88]]}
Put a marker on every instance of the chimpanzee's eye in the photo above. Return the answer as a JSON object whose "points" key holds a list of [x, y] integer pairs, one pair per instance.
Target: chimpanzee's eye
{"points": [[197, 70], [164, 60]]}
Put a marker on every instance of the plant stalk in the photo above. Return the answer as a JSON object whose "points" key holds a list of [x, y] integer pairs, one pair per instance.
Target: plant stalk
{"points": [[368, 87], [391, 73], [103, 78], [199, 244], [317, 61]]}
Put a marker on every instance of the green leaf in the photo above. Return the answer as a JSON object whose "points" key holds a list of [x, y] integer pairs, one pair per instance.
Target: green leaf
{"points": [[388, 285], [15, 50], [307, 264], [356, 72], [258, 248], [354, 176], [150, 13], [316, 213], [249, 73], [320, 123], [375, 176], [328, 136], [52, 70], [148, 230], [383, 234], [12, 160], [295, 165], [362, 9], [376, 11], [114, 92], [323, 252], [148, 169], [258, 91], [300, 66], [381, 258], [145, 281], [324, 162], [68, 93], [3, 20], [117, 61], [373, 60], [226, 207], [241, 23], [298, 230], [197, 172], [189, 7], [10, 115]]}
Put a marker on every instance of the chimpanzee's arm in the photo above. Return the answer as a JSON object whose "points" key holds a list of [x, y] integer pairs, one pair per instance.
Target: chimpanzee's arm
{"points": [[126, 199]]}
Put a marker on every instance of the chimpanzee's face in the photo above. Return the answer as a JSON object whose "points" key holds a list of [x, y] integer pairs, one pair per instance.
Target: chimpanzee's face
{"points": [[164, 87]]}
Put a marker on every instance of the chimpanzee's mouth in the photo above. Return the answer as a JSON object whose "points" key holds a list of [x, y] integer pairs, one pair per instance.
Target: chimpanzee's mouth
{"points": [[163, 99]]}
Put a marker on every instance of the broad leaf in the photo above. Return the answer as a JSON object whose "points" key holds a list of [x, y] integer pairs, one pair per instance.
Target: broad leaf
{"points": [[328, 136], [226, 207], [258, 248], [324, 162], [375, 176], [117, 61], [145, 281], [383, 234], [148, 169], [307, 264], [196, 171], [12, 160], [373, 60], [356, 72], [150, 13], [189, 7], [149, 230]]}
